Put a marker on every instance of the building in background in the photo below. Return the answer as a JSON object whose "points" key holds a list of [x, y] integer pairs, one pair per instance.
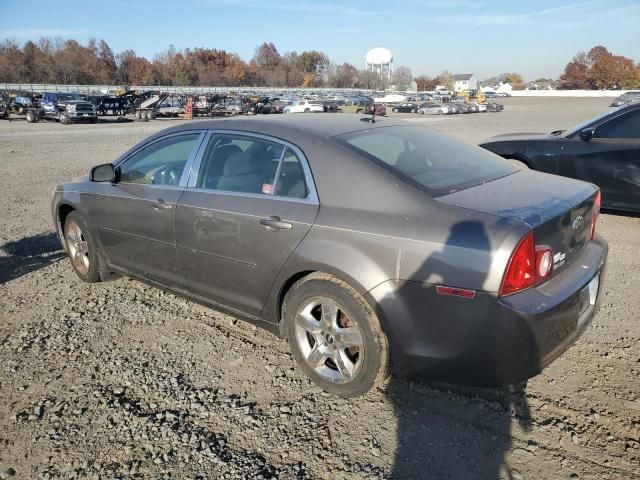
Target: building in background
{"points": [[464, 81]]}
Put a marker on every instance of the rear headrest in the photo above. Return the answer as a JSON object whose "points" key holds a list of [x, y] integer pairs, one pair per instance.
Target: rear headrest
{"points": [[237, 164], [411, 162]]}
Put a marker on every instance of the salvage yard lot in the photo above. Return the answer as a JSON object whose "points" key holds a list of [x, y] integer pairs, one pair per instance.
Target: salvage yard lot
{"points": [[122, 380]]}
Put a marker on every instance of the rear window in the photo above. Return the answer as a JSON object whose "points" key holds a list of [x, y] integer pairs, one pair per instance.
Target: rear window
{"points": [[427, 159]]}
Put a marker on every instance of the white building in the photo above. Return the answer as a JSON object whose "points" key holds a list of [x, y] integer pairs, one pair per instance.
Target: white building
{"points": [[464, 81]]}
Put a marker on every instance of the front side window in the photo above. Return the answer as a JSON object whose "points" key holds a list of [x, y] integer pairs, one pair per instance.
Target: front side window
{"points": [[243, 164], [624, 126], [426, 159], [160, 163]]}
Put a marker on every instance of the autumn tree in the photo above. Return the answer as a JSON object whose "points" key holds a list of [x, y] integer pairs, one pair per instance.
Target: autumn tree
{"points": [[445, 79], [575, 73], [513, 79], [402, 77], [426, 83], [269, 65]]}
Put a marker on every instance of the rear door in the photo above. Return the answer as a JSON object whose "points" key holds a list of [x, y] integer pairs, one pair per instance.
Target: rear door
{"points": [[249, 204], [135, 216], [611, 160]]}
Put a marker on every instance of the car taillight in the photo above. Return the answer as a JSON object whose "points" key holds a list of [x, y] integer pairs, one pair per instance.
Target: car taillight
{"points": [[528, 265], [544, 262], [594, 215]]}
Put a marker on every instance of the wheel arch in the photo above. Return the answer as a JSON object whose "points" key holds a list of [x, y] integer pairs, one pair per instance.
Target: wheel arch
{"points": [[520, 158]]}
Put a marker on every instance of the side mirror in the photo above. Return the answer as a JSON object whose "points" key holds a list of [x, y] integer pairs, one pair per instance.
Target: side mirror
{"points": [[587, 134], [103, 173]]}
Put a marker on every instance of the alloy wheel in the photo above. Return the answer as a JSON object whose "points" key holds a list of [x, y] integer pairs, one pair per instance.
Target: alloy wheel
{"points": [[77, 246], [330, 341]]}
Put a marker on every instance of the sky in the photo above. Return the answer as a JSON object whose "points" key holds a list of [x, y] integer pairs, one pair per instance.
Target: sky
{"points": [[533, 38]]}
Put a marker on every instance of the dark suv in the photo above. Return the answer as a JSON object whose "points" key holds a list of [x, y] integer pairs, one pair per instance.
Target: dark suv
{"points": [[67, 108]]}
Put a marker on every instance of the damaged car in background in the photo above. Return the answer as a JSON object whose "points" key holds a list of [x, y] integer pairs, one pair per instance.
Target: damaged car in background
{"points": [[604, 150], [371, 246]]}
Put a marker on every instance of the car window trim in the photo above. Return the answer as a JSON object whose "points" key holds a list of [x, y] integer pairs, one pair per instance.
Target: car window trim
{"points": [[312, 193], [603, 123], [187, 166]]}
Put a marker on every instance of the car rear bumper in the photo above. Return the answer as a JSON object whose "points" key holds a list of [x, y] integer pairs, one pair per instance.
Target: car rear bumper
{"points": [[488, 340]]}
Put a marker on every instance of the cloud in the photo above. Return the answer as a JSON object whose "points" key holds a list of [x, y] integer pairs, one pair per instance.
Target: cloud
{"points": [[30, 33], [526, 18]]}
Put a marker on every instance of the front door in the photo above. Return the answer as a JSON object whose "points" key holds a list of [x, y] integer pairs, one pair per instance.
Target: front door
{"points": [[135, 216], [250, 205], [611, 160]]}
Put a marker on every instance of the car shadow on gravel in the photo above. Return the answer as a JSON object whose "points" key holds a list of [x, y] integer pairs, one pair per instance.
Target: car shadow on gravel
{"points": [[450, 431], [28, 254]]}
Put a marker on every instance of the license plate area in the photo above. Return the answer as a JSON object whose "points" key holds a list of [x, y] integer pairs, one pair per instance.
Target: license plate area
{"points": [[588, 298]]}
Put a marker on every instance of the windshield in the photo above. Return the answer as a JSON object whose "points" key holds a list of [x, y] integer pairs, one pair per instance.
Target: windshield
{"points": [[427, 159], [65, 97], [586, 124]]}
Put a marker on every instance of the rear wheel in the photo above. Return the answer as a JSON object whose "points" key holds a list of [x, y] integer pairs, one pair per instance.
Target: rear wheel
{"points": [[335, 336], [413, 110], [81, 248]]}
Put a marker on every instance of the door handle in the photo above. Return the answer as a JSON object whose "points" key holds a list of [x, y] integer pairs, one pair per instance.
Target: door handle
{"points": [[160, 204], [275, 223]]}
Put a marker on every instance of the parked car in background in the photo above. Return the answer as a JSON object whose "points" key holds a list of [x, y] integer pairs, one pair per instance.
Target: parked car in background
{"points": [[431, 108], [406, 108], [304, 106], [626, 98], [369, 246], [67, 108], [604, 151], [494, 107]]}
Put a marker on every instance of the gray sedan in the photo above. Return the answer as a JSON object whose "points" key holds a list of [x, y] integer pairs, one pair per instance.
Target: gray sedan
{"points": [[369, 246]]}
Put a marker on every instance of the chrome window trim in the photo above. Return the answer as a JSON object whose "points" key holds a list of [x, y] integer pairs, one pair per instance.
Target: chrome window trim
{"points": [[312, 195], [186, 170]]}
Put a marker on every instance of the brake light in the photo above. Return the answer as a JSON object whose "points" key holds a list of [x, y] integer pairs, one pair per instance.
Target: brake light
{"points": [[528, 265], [594, 215], [520, 272]]}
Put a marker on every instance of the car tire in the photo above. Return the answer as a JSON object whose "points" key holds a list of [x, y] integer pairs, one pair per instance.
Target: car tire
{"points": [[31, 116], [64, 119], [361, 356], [395, 110], [517, 163], [306, 110], [81, 248], [138, 115], [413, 110]]}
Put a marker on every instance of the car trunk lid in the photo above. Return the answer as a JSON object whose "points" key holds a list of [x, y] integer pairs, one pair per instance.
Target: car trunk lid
{"points": [[558, 209]]}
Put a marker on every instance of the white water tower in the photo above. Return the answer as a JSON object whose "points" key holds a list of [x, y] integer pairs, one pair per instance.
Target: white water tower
{"points": [[380, 60]]}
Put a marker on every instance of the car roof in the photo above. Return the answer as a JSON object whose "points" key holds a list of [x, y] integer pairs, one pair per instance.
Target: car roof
{"points": [[284, 126]]}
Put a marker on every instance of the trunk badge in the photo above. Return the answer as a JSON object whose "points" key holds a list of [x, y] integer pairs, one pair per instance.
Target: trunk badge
{"points": [[577, 223]]}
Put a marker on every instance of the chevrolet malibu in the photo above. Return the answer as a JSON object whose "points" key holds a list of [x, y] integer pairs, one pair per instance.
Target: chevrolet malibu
{"points": [[371, 247]]}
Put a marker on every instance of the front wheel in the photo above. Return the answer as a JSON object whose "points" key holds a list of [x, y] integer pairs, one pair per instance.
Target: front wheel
{"points": [[31, 116], [81, 248], [335, 336], [64, 119]]}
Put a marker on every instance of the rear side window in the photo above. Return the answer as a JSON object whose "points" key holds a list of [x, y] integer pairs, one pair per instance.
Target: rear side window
{"points": [[624, 126], [244, 164], [426, 159]]}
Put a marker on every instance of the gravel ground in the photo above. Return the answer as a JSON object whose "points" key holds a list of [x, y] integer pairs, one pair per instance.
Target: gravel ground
{"points": [[121, 380]]}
